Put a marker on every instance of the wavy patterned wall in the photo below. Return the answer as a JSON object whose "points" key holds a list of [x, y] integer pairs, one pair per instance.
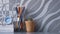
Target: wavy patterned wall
{"points": [[46, 13]]}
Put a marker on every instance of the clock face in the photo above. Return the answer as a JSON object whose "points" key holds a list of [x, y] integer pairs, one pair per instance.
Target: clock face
{"points": [[8, 20]]}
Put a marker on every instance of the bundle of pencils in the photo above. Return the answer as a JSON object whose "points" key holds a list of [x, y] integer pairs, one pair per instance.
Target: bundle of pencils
{"points": [[20, 16]]}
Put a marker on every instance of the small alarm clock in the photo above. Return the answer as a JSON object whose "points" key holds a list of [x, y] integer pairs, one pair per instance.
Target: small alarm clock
{"points": [[8, 20]]}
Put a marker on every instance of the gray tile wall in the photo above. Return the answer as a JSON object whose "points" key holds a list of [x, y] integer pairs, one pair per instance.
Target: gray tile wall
{"points": [[46, 14]]}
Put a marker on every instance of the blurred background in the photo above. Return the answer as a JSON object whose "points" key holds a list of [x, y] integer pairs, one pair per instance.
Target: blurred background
{"points": [[45, 13]]}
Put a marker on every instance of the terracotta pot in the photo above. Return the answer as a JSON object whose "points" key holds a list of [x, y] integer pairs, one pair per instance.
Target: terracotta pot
{"points": [[29, 26]]}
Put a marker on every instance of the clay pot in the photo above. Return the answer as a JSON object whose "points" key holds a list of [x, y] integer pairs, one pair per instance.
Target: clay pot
{"points": [[29, 26]]}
